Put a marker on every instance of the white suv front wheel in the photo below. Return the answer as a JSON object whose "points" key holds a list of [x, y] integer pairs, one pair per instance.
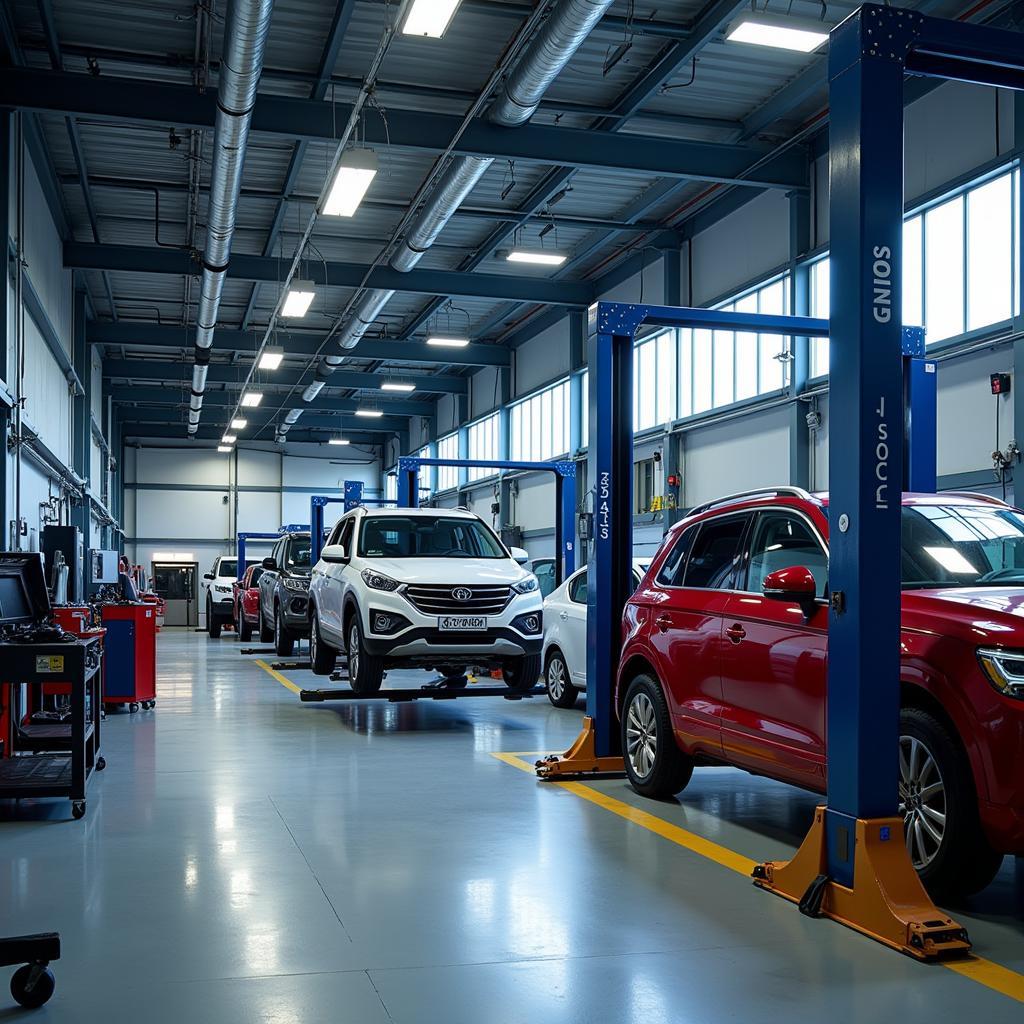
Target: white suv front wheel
{"points": [[365, 672]]}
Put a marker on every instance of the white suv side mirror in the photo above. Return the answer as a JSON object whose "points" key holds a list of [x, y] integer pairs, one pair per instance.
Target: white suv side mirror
{"points": [[335, 553], [521, 555]]}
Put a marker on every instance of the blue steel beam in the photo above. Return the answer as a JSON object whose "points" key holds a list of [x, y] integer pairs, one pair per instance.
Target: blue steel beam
{"points": [[328, 59], [147, 260], [228, 400], [296, 342], [676, 56], [147, 102], [231, 373]]}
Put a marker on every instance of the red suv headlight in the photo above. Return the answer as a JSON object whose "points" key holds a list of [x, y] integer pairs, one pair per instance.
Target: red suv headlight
{"points": [[1004, 670]]}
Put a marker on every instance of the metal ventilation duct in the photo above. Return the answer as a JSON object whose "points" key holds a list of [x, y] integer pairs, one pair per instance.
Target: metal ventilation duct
{"points": [[568, 25], [245, 36]]}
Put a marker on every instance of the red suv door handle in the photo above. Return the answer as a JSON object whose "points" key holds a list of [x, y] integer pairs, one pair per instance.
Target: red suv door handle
{"points": [[663, 622], [736, 633]]}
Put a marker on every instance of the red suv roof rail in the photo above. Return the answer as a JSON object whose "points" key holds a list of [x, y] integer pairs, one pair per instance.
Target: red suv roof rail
{"points": [[991, 499], [760, 492]]}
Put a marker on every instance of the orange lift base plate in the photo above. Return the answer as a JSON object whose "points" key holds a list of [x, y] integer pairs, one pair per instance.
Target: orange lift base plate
{"points": [[887, 903], [580, 758]]}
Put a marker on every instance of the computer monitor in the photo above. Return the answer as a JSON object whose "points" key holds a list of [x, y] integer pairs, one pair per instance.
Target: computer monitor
{"points": [[23, 594], [103, 567]]}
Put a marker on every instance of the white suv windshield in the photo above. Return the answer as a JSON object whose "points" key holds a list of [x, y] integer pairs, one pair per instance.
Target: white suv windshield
{"points": [[227, 567], [426, 537]]}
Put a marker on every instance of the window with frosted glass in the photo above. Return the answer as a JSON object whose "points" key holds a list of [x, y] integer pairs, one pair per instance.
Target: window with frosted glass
{"points": [[944, 270], [539, 425], [483, 444], [990, 253], [391, 487], [425, 473], [820, 306], [913, 271], [585, 408], [448, 476], [746, 359], [684, 353], [654, 381], [701, 370]]}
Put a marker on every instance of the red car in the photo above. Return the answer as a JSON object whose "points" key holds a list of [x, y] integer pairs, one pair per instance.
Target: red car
{"points": [[724, 662], [246, 596]]}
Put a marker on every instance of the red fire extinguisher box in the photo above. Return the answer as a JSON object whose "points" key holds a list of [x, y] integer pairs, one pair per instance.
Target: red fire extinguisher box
{"points": [[130, 646]]}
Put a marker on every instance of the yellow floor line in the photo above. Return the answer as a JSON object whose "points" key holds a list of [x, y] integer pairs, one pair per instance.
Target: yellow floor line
{"points": [[984, 972], [274, 674]]}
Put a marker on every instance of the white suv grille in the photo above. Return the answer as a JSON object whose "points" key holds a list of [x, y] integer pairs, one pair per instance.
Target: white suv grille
{"points": [[458, 599]]}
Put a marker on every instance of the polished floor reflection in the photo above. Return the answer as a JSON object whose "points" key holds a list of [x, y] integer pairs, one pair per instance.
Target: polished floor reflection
{"points": [[248, 858]]}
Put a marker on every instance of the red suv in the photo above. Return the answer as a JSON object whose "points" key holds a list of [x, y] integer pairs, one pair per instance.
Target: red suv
{"points": [[724, 662]]}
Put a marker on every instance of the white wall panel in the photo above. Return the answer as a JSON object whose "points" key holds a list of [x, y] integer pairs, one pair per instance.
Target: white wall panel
{"points": [[45, 258], [967, 412], [182, 466], [258, 469], [542, 359], [188, 515], [751, 451], [747, 244], [260, 511], [535, 503], [819, 464], [48, 398], [630, 290], [484, 391]]}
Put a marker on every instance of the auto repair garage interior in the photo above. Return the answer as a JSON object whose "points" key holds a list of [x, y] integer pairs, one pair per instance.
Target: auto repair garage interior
{"points": [[429, 511]]}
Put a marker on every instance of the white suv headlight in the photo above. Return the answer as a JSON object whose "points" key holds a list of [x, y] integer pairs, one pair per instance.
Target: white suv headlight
{"points": [[1004, 669], [526, 586], [221, 588], [378, 581]]}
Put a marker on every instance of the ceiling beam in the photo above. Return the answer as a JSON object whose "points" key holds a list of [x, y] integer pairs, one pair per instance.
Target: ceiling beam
{"points": [[137, 259], [258, 420], [141, 396], [234, 374], [126, 334], [143, 101]]}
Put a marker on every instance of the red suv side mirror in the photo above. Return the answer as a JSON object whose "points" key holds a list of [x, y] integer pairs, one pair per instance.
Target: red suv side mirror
{"points": [[794, 583]]}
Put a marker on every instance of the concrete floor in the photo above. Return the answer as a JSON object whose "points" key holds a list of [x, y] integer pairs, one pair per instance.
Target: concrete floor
{"points": [[247, 858]]}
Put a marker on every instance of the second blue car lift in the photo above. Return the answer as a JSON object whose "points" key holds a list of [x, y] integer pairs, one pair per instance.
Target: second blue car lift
{"points": [[565, 496]]}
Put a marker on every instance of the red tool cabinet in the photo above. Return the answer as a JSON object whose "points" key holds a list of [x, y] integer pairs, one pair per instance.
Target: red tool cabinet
{"points": [[130, 655]]}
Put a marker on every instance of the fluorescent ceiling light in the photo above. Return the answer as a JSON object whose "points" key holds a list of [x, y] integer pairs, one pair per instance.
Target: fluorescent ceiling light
{"points": [[225, 448], [229, 439], [239, 424], [371, 413], [443, 341], [390, 385], [298, 300], [429, 18], [271, 358], [339, 440], [251, 399], [783, 33], [541, 257], [356, 170]]}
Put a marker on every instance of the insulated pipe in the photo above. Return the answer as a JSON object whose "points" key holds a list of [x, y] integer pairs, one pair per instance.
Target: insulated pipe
{"points": [[554, 45], [245, 37]]}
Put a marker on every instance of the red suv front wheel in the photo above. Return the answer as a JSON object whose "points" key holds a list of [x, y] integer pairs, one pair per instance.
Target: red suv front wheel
{"points": [[655, 765]]}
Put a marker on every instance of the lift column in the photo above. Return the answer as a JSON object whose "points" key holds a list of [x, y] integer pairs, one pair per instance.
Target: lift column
{"points": [[854, 866]]}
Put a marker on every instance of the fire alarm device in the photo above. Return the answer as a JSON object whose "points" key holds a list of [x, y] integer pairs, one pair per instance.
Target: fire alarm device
{"points": [[1000, 383]]}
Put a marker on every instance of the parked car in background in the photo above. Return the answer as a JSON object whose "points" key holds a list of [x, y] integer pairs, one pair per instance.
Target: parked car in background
{"points": [[424, 588], [246, 603], [565, 636], [218, 585], [284, 592], [725, 651]]}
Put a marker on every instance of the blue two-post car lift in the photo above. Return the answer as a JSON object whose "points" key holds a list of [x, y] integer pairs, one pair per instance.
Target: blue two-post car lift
{"points": [[563, 471], [853, 865]]}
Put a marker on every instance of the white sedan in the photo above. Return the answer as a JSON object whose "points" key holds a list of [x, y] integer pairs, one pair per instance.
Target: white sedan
{"points": [[565, 636]]}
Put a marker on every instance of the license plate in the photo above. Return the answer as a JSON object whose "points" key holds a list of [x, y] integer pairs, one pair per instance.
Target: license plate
{"points": [[462, 623]]}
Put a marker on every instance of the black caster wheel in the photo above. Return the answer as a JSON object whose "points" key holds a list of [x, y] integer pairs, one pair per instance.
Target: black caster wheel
{"points": [[133, 707], [32, 985], [101, 763], [78, 809]]}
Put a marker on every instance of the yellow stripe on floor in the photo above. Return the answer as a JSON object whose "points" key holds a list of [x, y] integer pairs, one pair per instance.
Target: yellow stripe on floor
{"points": [[274, 674], [984, 972]]}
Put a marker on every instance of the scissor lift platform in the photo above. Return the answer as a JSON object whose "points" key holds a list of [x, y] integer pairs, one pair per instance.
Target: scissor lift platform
{"points": [[429, 692]]}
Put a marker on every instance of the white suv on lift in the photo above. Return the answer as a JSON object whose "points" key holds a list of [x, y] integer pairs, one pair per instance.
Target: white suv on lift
{"points": [[423, 588]]}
